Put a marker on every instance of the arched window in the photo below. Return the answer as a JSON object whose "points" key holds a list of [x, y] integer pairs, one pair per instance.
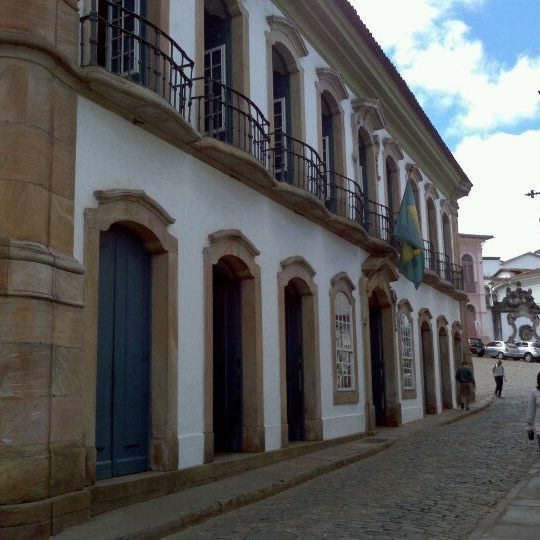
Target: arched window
{"points": [[406, 349], [343, 325], [344, 343], [407, 352], [331, 146], [363, 167], [468, 273], [225, 41], [447, 238], [392, 188], [432, 229], [367, 119]]}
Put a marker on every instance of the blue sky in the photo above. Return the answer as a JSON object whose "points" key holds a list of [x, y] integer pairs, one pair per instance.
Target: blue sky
{"points": [[474, 66]]}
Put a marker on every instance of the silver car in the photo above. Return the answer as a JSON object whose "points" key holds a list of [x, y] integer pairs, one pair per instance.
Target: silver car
{"points": [[502, 349], [529, 350]]}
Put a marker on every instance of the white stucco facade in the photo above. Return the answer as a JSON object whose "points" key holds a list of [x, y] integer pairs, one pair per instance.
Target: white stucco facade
{"points": [[112, 153]]}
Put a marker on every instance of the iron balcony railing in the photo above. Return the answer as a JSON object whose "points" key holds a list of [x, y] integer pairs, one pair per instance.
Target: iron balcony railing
{"points": [[344, 197], [298, 164], [231, 117], [441, 265], [127, 44], [377, 221]]}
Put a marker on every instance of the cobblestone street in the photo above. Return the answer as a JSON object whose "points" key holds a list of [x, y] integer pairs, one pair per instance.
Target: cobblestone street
{"points": [[437, 483]]}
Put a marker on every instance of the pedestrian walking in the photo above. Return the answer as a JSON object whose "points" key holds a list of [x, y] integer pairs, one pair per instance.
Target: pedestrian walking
{"points": [[499, 376], [534, 405], [465, 378]]}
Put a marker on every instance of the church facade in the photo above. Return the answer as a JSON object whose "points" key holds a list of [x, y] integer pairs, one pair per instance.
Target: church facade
{"points": [[198, 254]]}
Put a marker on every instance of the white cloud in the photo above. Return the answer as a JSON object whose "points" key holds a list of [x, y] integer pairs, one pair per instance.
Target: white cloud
{"points": [[437, 56], [502, 168]]}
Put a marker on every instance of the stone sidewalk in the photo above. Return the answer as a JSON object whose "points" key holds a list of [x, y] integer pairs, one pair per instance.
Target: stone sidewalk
{"points": [[165, 515], [518, 514]]}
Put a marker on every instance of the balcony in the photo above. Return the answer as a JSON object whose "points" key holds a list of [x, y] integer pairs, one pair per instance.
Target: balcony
{"points": [[439, 264], [297, 164], [344, 197], [131, 47], [228, 116], [378, 222]]}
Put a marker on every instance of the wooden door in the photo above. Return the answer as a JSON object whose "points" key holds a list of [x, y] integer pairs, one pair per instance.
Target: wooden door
{"points": [[377, 364], [227, 327], [295, 364], [123, 374]]}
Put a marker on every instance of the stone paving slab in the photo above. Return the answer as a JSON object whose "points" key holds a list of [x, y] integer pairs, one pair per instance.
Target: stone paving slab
{"points": [[518, 516], [157, 517], [436, 480]]}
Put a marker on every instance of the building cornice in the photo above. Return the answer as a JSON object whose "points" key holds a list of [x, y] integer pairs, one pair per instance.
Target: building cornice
{"points": [[336, 31]]}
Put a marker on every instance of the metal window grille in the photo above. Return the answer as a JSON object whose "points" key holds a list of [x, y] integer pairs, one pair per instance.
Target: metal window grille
{"points": [[344, 343], [214, 89], [280, 143], [328, 173], [407, 352], [124, 49]]}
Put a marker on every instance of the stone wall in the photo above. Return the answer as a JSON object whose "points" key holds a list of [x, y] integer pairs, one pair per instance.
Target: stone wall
{"points": [[41, 292]]}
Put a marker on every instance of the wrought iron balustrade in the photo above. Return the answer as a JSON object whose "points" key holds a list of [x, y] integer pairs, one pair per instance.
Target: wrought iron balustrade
{"points": [[344, 197], [128, 45], [441, 265], [229, 116], [296, 163], [444, 269], [377, 221]]}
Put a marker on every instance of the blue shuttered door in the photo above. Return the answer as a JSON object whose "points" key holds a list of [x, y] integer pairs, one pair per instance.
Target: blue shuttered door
{"points": [[122, 415]]}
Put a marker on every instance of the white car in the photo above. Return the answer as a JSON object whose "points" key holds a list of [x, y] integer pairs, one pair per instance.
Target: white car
{"points": [[529, 350], [502, 349]]}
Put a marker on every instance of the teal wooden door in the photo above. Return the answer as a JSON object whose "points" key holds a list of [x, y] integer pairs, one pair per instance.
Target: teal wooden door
{"points": [[123, 377]]}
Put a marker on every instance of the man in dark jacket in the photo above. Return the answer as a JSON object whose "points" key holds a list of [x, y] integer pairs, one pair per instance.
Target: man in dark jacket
{"points": [[465, 378]]}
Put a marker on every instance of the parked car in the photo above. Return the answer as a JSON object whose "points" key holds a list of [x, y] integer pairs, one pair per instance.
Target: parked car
{"points": [[503, 349], [476, 346], [530, 350]]}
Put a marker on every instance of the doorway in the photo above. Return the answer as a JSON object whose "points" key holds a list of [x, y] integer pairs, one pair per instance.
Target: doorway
{"points": [[428, 364], [458, 357], [227, 361], [377, 362], [295, 363], [123, 359], [444, 360]]}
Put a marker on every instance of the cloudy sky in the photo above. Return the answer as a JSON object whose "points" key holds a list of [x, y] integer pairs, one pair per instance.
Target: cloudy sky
{"points": [[474, 66]]}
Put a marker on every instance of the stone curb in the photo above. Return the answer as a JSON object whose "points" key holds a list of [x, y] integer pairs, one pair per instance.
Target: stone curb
{"points": [[494, 516], [219, 507], [482, 405], [250, 497]]}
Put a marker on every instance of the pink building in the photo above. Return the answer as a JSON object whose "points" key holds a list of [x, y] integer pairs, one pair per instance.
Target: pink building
{"points": [[478, 318]]}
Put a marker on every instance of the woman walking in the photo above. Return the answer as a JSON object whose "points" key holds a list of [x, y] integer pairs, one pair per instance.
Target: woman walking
{"points": [[498, 374], [534, 405]]}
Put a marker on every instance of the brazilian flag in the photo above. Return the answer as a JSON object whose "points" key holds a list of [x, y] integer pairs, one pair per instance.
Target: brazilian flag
{"points": [[407, 229]]}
